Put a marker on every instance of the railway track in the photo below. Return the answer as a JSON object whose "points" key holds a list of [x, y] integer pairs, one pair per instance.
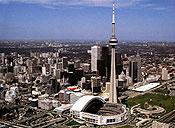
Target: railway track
{"points": [[168, 117], [9, 124]]}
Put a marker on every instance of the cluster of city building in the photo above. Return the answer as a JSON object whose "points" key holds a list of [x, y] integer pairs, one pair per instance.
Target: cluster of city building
{"points": [[91, 90], [50, 82]]}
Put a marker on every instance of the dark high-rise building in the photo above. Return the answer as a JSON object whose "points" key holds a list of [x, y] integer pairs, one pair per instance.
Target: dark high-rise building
{"points": [[119, 65], [9, 60], [53, 86], [103, 62], [104, 55], [78, 74], [64, 62], [71, 67], [63, 74], [135, 68], [101, 67], [109, 67], [71, 78]]}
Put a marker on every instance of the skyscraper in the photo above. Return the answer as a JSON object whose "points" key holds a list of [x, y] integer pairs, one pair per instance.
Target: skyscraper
{"points": [[95, 84], [104, 55], [102, 64], [64, 62], [135, 68], [53, 86], [119, 65], [95, 55], [164, 74], [113, 42]]}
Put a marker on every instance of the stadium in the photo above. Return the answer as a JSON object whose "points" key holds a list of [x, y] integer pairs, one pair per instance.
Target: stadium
{"points": [[95, 110]]}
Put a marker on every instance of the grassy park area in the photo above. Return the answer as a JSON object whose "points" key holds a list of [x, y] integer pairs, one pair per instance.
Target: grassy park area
{"points": [[72, 123], [161, 90], [167, 102]]}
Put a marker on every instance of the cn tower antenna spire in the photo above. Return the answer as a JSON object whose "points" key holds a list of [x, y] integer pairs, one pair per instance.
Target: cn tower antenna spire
{"points": [[113, 22], [113, 16], [113, 40]]}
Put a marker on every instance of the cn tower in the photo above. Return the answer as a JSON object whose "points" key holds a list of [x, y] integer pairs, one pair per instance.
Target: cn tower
{"points": [[113, 42]]}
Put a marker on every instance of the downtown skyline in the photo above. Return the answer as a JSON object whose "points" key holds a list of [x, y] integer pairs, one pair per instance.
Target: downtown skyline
{"points": [[136, 20]]}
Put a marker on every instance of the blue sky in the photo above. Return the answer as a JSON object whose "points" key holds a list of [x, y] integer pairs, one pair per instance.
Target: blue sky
{"points": [[136, 20]]}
